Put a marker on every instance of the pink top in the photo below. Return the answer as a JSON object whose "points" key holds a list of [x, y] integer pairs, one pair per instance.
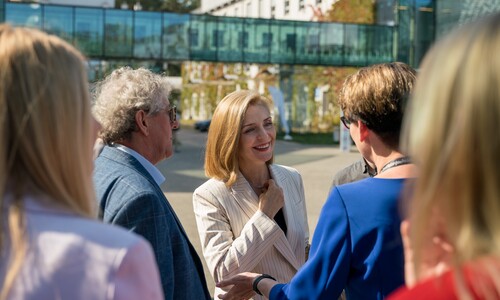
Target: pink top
{"points": [[71, 257]]}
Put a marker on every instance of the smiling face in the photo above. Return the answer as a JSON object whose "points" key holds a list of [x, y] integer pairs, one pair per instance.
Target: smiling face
{"points": [[257, 137]]}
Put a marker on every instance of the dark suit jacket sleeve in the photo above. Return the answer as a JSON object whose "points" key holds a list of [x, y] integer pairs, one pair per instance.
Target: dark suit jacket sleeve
{"points": [[326, 272], [144, 215]]}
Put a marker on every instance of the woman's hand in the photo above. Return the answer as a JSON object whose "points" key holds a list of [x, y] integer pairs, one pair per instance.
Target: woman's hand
{"points": [[272, 199], [242, 286]]}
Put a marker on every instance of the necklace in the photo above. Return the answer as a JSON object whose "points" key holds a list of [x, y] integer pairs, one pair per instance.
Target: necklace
{"points": [[396, 162]]}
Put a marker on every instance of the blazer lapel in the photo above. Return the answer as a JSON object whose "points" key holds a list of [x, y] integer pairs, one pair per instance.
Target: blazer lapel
{"points": [[248, 201], [286, 244], [244, 196]]}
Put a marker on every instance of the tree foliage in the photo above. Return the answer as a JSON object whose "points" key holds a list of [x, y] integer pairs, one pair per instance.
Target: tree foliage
{"points": [[352, 11]]}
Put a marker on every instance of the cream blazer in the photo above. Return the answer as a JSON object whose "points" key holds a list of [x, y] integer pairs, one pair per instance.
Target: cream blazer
{"points": [[236, 237]]}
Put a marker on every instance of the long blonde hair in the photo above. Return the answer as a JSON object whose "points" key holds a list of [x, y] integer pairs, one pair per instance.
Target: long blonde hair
{"points": [[221, 156], [46, 133], [451, 133]]}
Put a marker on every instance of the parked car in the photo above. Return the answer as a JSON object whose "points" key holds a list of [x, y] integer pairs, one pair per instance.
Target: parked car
{"points": [[202, 125]]}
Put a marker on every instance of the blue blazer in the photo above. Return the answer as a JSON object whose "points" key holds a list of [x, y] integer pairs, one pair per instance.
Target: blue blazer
{"points": [[356, 245], [128, 196]]}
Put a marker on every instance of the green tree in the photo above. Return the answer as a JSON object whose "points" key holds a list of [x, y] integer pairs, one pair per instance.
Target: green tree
{"points": [[352, 11]]}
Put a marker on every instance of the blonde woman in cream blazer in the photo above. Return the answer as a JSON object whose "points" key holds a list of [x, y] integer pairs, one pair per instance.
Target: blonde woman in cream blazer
{"points": [[236, 209]]}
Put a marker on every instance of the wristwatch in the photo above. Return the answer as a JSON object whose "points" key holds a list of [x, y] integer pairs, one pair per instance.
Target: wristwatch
{"points": [[258, 279]]}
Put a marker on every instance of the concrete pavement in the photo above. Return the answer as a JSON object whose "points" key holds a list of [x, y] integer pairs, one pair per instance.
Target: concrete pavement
{"points": [[184, 173]]}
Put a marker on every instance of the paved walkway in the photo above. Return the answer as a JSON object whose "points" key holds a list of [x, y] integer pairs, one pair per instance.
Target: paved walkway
{"points": [[184, 173]]}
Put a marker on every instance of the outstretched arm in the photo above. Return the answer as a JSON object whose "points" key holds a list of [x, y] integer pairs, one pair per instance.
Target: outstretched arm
{"points": [[243, 286]]}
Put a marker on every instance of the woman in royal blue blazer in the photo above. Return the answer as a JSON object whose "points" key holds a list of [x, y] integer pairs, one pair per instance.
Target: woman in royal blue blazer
{"points": [[356, 245]]}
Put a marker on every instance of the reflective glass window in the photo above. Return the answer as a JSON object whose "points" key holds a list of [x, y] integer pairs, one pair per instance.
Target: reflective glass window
{"points": [[379, 44], [118, 33], [332, 43], [176, 36], [355, 45], [203, 48], [23, 14], [147, 34], [243, 39], [283, 45], [233, 39], [256, 50], [58, 20], [2, 12], [89, 36], [307, 43]]}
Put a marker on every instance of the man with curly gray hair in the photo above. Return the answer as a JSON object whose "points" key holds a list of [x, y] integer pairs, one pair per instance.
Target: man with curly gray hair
{"points": [[137, 121]]}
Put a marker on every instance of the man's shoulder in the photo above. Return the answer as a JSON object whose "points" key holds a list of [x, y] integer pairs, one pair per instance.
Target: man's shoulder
{"points": [[117, 168], [351, 173], [111, 156]]}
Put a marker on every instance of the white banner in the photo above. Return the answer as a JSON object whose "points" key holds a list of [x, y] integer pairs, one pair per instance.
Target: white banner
{"points": [[279, 101]]}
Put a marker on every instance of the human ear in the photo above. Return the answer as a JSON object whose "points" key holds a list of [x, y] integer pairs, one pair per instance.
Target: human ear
{"points": [[363, 131], [142, 122]]}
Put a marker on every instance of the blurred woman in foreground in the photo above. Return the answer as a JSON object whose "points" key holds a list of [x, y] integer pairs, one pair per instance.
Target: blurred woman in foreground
{"points": [[50, 247], [452, 239]]}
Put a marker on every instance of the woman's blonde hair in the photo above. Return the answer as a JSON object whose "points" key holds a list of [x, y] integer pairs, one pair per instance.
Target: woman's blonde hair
{"points": [[450, 132], [221, 156], [46, 132]]}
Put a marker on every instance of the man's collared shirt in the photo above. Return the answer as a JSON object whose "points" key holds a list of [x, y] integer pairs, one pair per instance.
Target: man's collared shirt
{"points": [[152, 170]]}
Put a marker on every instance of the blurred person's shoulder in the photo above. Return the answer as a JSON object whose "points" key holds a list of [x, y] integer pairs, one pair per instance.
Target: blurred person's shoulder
{"points": [[353, 172]]}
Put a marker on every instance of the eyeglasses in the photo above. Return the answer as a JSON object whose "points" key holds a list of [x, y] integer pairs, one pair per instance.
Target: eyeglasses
{"points": [[346, 122], [172, 113]]}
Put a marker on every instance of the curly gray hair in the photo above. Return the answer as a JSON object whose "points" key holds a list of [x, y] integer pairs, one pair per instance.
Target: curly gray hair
{"points": [[124, 92]]}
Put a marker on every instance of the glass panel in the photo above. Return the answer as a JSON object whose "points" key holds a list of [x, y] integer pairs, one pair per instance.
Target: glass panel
{"points": [[118, 33], [88, 31], [355, 45], [404, 12], [379, 44], [2, 12], [307, 43], [258, 37], [22, 14], [147, 34], [284, 44], [203, 29], [382, 47], [385, 12], [153, 35], [332, 44], [231, 39], [175, 36], [425, 28], [58, 20]]}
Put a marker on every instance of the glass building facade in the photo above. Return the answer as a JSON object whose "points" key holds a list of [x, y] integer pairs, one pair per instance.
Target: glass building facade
{"points": [[421, 22], [405, 30], [126, 34], [453, 13]]}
